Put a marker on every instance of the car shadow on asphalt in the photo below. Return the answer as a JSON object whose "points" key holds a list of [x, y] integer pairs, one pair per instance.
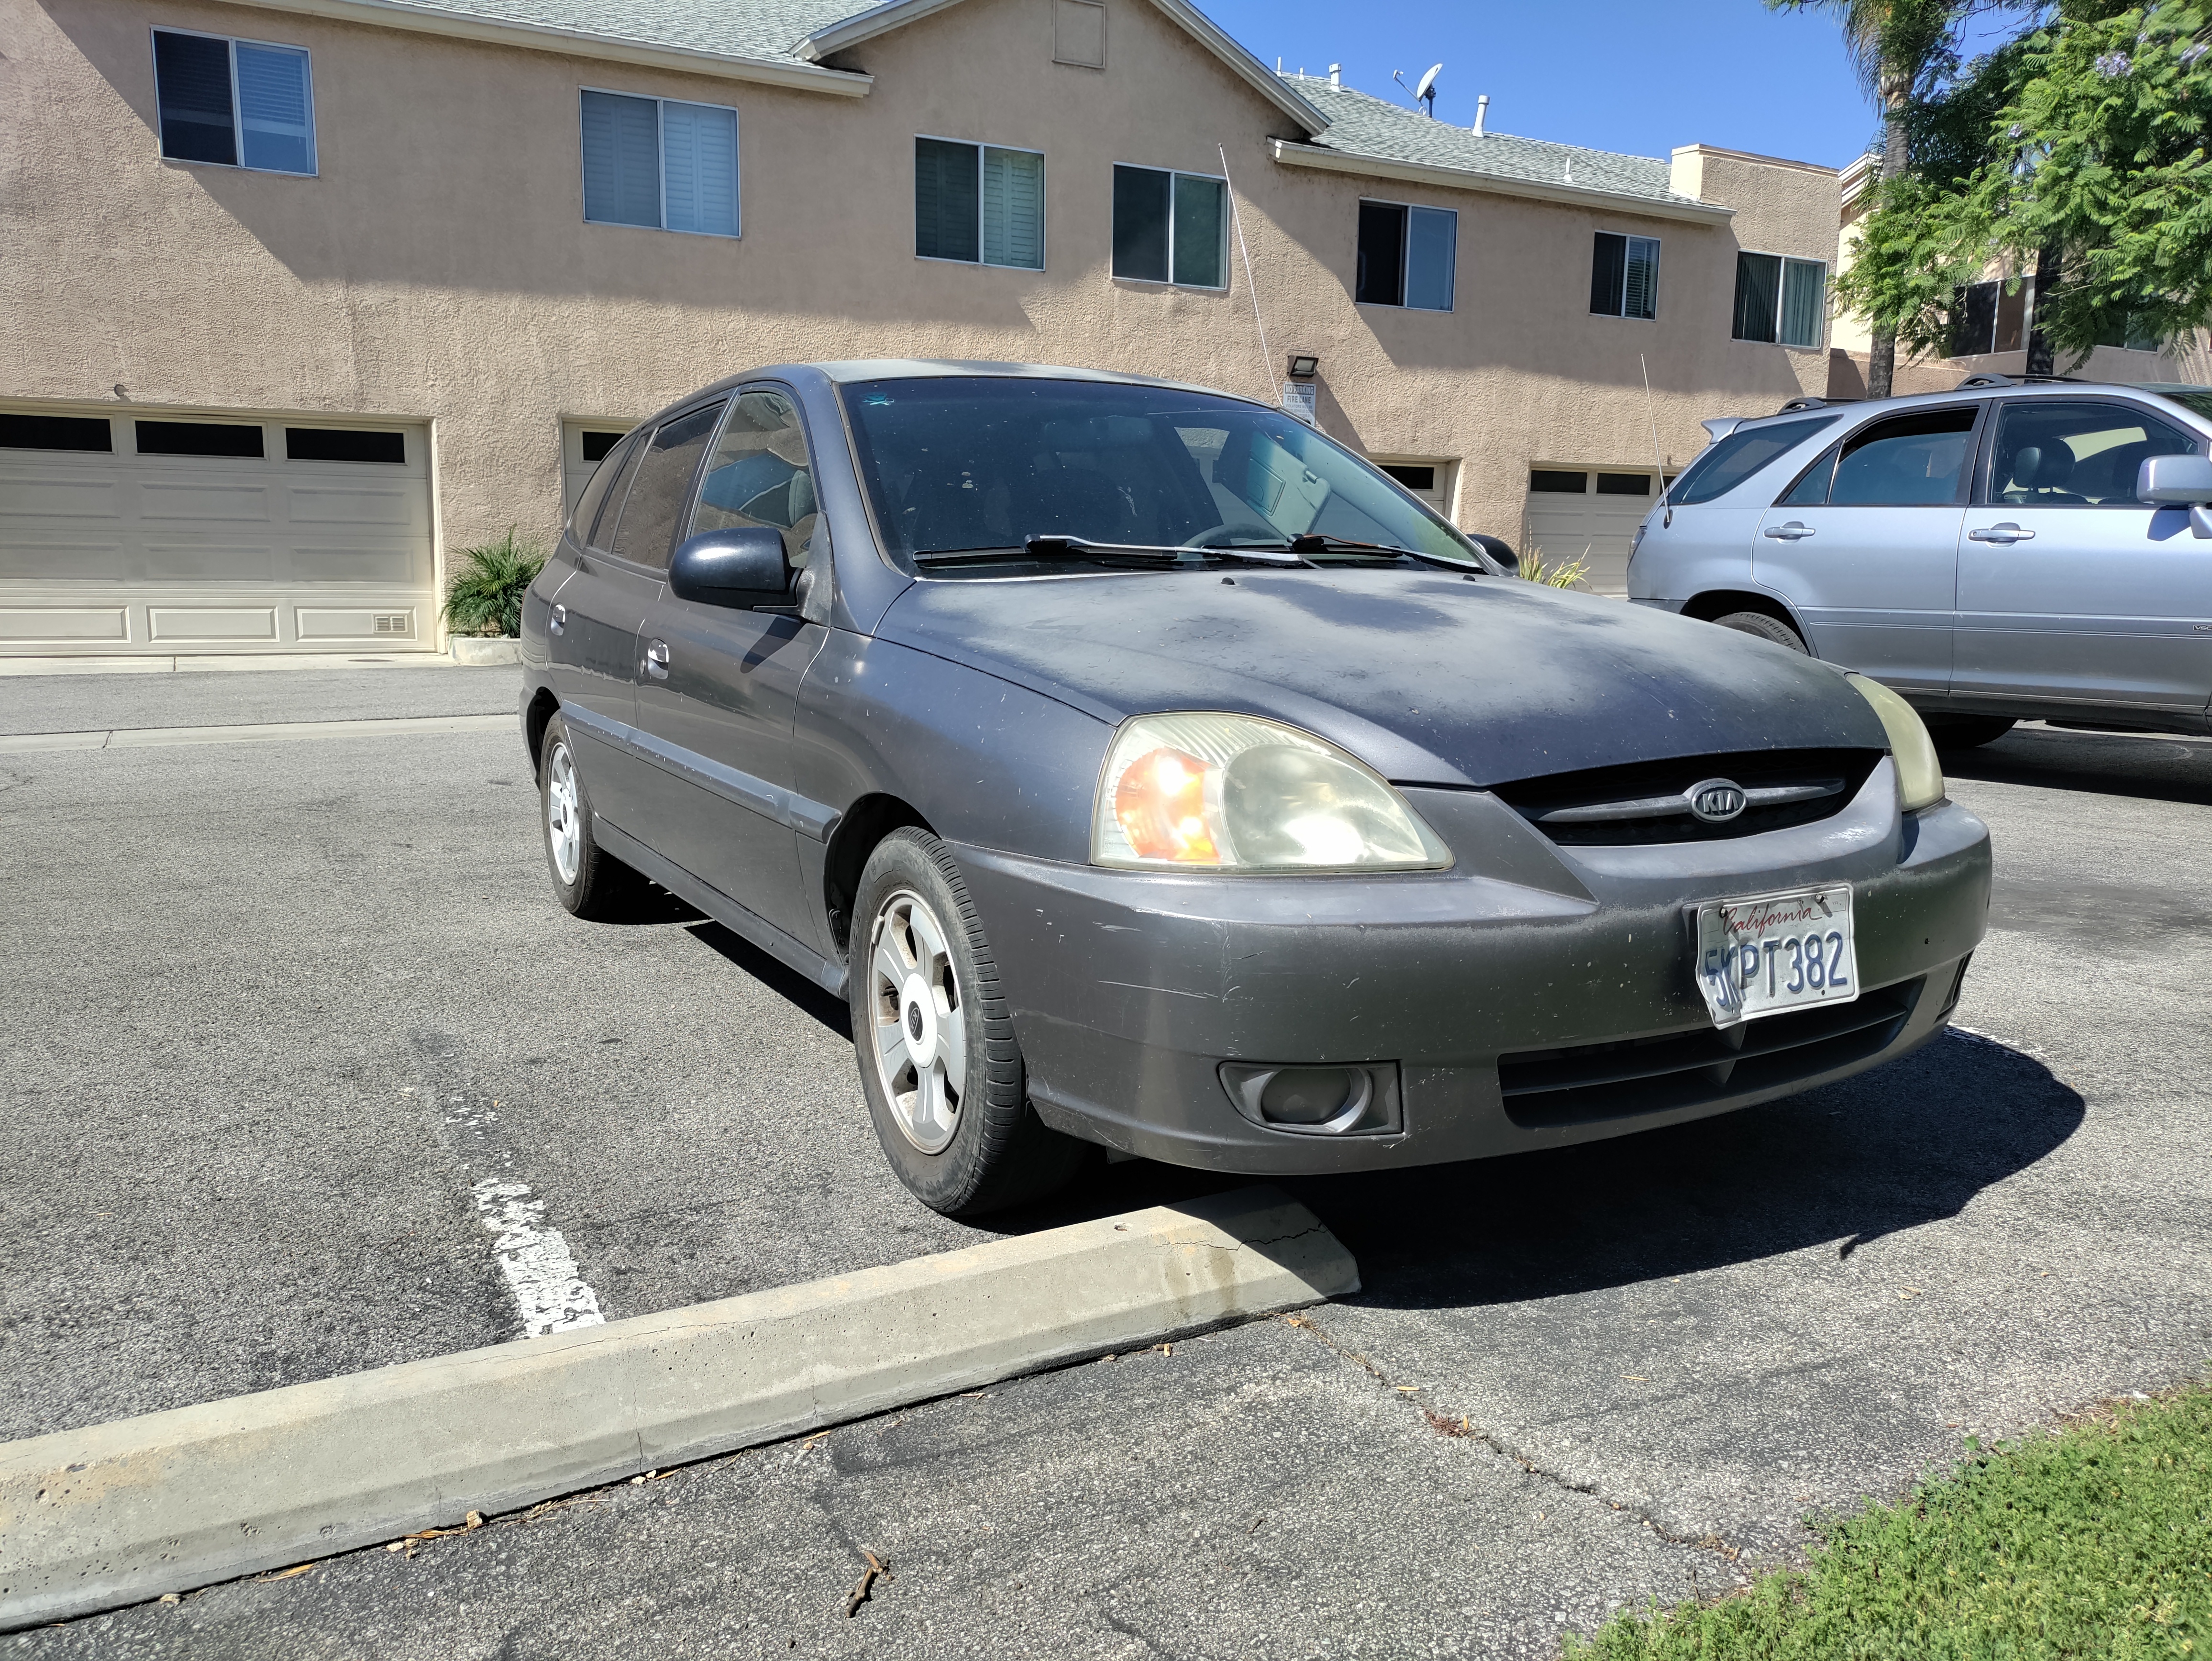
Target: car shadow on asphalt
{"points": [[2157, 767], [1910, 1143], [772, 973]]}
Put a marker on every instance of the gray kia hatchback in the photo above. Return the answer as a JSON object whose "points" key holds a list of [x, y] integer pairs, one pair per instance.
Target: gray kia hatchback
{"points": [[1150, 773], [2012, 550]]}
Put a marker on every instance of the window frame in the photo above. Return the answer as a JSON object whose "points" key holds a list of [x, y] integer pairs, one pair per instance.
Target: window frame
{"points": [[661, 164], [232, 43], [1658, 258], [1978, 444], [1169, 281], [1782, 301], [1985, 460], [982, 212], [1405, 256]]}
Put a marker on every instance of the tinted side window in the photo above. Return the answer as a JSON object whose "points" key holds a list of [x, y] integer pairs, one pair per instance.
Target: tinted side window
{"points": [[760, 475], [1740, 455], [1907, 461], [2053, 454], [662, 489], [602, 501]]}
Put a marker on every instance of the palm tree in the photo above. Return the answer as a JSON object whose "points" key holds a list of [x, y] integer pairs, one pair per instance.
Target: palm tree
{"points": [[1895, 46]]}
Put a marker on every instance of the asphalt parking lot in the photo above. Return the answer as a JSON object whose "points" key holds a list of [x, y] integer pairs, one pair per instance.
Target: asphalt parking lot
{"points": [[275, 1006]]}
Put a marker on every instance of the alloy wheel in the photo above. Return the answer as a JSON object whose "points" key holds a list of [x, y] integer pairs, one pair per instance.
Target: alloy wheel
{"points": [[564, 830], [919, 1040]]}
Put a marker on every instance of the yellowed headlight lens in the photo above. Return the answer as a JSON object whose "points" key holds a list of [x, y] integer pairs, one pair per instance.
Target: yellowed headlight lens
{"points": [[1919, 772]]}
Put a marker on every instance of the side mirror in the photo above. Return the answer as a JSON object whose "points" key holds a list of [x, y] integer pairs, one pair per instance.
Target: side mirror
{"points": [[740, 568], [2174, 481]]}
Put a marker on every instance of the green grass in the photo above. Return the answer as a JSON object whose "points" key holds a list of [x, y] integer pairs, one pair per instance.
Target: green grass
{"points": [[486, 598], [2095, 1540]]}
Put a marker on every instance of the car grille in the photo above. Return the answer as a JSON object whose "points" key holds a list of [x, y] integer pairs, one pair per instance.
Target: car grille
{"points": [[1595, 1082], [1648, 801]]}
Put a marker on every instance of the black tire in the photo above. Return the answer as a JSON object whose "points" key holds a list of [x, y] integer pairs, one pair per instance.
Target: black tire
{"points": [[599, 888], [1967, 732], [999, 1154], [1766, 627]]}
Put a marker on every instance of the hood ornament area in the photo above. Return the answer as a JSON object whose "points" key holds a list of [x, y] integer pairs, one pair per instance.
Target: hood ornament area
{"points": [[1716, 800]]}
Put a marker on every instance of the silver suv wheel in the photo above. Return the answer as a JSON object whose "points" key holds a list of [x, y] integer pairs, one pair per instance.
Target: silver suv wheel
{"points": [[920, 1036]]}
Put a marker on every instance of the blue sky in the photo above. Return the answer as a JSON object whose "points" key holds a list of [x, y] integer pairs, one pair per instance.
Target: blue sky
{"points": [[1616, 76]]}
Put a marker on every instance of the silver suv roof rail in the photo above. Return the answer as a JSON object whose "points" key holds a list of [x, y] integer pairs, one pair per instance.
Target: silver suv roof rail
{"points": [[1988, 379]]}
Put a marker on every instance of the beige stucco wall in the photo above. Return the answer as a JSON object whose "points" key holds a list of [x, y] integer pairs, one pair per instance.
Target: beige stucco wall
{"points": [[440, 267]]}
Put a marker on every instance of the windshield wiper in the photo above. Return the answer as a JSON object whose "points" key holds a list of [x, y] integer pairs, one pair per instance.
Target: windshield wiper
{"points": [[1315, 543], [1151, 553]]}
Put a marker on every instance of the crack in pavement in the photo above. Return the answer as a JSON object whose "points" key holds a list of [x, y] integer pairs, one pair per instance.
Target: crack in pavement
{"points": [[1443, 1425]]}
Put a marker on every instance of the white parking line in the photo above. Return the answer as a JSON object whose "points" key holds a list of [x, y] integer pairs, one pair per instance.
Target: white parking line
{"points": [[141, 738], [549, 1292]]}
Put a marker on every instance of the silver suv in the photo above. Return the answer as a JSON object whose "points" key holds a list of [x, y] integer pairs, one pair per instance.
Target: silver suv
{"points": [[2008, 551]]}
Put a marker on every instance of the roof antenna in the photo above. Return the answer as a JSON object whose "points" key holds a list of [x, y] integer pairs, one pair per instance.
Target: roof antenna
{"points": [[1659, 467], [1266, 357]]}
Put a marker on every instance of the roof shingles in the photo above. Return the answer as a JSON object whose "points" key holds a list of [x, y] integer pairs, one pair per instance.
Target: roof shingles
{"points": [[1372, 128]]}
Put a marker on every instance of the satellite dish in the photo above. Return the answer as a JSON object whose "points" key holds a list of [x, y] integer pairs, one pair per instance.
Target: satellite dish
{"points": [[1426, 92]]}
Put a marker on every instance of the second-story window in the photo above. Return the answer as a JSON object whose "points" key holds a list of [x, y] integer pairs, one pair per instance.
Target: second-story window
{"points": [[660, 163], [233, 103], [1171, 227], [1625, 276], [1407, 256], [1780, 300], [978, 204]]}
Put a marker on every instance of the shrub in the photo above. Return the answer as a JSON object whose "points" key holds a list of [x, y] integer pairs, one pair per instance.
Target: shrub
{"points": [[486, 598], [1560, 574]]}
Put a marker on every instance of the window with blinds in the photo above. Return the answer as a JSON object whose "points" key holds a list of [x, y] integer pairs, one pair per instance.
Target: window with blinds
{"points": [[978, 204], [1780, 300], [1171, 227], [660, 163], [1625, 276], [233, 103]]}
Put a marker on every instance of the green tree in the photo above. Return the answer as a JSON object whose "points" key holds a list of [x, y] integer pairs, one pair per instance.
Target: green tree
{"points": [[1897, 46], [2080, 148]]}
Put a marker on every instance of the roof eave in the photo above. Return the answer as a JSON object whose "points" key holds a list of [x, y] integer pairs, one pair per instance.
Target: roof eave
{"points": [[540, 37], [1472, 178], [897, 13]]}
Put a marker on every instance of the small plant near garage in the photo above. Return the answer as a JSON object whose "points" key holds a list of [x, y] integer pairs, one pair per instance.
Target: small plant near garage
{"points": [[1559, 573], [486, 598], [2092, 1541]]}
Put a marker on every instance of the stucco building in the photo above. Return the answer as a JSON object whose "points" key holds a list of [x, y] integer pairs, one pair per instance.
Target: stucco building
{"points": [[302, 297]]}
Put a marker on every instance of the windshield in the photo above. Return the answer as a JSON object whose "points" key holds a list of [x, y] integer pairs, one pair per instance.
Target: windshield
{"points": [[1737, 457], [970, 462]]}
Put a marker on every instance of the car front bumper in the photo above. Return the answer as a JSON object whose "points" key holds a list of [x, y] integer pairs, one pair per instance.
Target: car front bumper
{"points": [[1488, 989]]}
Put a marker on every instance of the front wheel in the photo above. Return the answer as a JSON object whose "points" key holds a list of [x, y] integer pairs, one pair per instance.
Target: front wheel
{"points": [[939, 1065]]}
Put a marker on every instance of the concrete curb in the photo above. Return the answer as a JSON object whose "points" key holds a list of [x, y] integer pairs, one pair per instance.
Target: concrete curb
{"points": [[479, 650], [120, 1512]]}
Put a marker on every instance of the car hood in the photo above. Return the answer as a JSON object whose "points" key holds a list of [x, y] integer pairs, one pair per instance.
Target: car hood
{"points": [[1427, 676]]}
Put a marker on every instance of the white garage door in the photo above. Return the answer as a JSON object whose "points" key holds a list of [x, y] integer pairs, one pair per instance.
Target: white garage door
{"points": [[1589, 514], [1431, 481], [143, 531]]}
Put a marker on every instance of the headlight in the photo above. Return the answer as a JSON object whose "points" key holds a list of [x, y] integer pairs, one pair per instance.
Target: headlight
{"points": [[1919, 774], [1234, 793]]}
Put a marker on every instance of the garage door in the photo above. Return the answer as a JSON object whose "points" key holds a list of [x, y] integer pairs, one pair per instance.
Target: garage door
{"points": [[146, 531], [1591, 514], [1431, 481]]}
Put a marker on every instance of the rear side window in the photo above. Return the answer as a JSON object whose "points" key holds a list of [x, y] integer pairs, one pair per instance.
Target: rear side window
{"points": [[662, 489], [1740, 455], [1907, 461], [614, 467]]}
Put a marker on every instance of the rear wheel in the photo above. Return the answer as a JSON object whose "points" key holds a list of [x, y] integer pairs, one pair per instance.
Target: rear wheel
{"points": [[1765, 627], [939, 1065], [590, 882], [1967, 732]]}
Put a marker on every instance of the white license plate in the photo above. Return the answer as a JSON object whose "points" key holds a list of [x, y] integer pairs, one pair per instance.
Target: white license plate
{"points": [[1772, 952]]}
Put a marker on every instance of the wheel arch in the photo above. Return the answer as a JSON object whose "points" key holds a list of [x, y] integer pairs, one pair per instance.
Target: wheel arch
{"points": [[535, 721], [859, 828], [1719, 602]]}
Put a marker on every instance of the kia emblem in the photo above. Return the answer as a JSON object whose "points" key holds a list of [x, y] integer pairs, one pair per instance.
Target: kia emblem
{"points": [[1716, 800]]}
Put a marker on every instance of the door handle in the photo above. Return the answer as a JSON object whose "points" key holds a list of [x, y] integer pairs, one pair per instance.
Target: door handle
{"points": [[1790, 532], [2003, 533], [656, 659], [558, 624]]}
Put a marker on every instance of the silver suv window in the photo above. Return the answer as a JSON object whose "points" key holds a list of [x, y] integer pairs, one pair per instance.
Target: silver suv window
{"points": [[1740, 455]]}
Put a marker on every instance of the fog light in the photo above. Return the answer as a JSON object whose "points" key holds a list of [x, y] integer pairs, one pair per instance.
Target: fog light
{"points": [[1317, 1101]]}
